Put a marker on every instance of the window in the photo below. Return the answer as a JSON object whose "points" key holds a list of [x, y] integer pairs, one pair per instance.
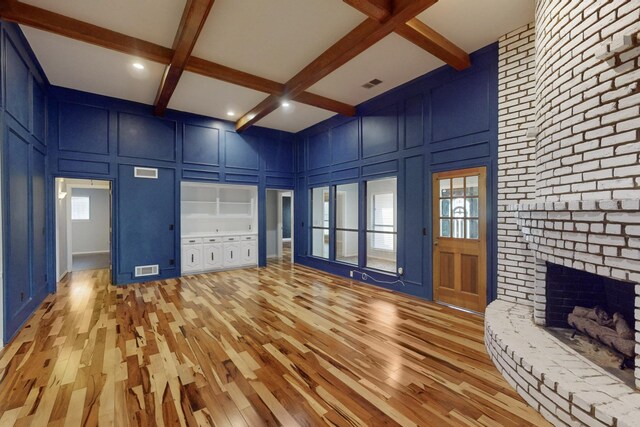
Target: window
{"points": [[320, 222], [459, 207], [346, 240], [80, 208], [382, 224]]}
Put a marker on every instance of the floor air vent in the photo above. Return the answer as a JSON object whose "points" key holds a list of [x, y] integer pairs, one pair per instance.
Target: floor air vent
{"points": [[149, 173], [147, 270]]}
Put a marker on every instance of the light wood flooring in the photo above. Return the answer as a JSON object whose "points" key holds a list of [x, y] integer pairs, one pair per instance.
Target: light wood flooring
{"points": [[285, 345]]}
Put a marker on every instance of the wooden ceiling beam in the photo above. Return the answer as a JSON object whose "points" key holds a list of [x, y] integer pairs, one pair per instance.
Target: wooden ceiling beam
{"points": [[416, 32], [193, 18], [45, 20], [376, 9], [240, 78], [435, 43], [55, 23], [355, 42]]}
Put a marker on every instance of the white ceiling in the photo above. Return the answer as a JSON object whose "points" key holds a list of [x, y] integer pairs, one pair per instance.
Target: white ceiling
{"points": [[272, 39]]}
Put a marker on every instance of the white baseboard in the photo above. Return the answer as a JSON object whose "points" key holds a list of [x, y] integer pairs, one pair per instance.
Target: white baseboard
{"points": [[90, 253]]}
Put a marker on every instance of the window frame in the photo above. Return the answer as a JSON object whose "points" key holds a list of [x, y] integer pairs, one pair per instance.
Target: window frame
{"points": [[326, 223], [88, 198], [371, 231], [336, 229]]}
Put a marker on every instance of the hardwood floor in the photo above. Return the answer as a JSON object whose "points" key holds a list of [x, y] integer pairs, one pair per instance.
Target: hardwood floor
{"points": [[285, 345]]}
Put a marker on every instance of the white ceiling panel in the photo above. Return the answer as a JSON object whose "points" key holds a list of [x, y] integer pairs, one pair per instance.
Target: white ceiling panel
{"points": [[295, 118], [155, 21], [273, 39], [475, 24], [202, 95], [393, 60], [77, 65]]}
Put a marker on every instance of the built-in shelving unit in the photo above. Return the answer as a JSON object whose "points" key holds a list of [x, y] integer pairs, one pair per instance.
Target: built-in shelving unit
{"points": [[219, 225]]}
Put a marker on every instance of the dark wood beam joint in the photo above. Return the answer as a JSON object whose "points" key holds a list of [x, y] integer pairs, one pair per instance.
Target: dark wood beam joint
{"points": [[193, 18]]}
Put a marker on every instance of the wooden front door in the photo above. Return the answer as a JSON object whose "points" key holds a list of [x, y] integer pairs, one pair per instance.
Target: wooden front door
{"points": [[459, 238]]}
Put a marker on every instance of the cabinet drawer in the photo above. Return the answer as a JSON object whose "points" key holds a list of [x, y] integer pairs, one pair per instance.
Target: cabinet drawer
{"points": [[212, 239], [245, 238], [192, 241], [231, 239]]}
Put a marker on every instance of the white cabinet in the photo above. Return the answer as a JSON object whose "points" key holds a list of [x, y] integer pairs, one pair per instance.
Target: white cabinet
{"points": [[248, 250], [231, 254], [212, 256], [191, 255], [222, 219]]}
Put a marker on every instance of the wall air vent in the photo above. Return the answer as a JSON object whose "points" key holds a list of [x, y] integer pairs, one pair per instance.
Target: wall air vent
{"points": [[372, 83], [148, 173], [147, 270]]}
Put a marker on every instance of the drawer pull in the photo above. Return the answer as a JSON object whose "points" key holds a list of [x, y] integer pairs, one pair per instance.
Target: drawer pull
{"points": [[192, 258], [192, 241]]}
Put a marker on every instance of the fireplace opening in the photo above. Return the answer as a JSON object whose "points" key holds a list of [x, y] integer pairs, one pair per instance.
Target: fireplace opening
{"points": [[589, 313]]}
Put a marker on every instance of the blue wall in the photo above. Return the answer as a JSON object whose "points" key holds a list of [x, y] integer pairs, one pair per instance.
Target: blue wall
{"points": [[93, 136], [441, 121], [23, 146]]}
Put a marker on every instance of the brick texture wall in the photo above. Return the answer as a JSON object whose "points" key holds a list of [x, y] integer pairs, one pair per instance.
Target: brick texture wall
{"points": [[588, 110], [516, 164]]}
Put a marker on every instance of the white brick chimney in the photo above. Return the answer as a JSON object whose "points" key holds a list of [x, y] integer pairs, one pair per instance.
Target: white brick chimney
{"points": [[568, 193]]}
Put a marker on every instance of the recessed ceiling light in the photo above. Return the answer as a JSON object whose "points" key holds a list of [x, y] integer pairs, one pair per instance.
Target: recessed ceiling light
{"points": [[138, 66], [285, 104], [230, 113]]}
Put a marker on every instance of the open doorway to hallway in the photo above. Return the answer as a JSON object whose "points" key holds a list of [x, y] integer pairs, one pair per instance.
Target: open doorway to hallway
{"points": [[83, 225], [279, 225]]}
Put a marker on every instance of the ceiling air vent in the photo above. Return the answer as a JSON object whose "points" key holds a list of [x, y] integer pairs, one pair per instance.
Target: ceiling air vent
{"points": [[372, 83], [148, 173], [147, 270]]}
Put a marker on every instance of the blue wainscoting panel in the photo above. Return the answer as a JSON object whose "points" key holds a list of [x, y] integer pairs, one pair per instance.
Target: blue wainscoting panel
{"points": [[345, 174], [319, 151], [413, 209], [39, 221], [83, 129], [321, 178], [380, 168], [146, 223], [461, 107], [241, 178], [17, 270], [380, 132], [201, 145], [413, 117], [196, 174], [278, 155], [83, 166], [146, 137], [344, 138], [279, 182], [18, 78], [39, 111], [241, 151]]}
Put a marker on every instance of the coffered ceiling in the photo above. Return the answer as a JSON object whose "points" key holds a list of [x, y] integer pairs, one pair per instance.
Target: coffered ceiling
{"points": [[268, 41]]}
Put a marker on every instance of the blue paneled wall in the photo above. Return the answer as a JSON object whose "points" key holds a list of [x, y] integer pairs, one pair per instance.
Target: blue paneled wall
{"points": [[93, 136], [441, 121], [23, 147]]}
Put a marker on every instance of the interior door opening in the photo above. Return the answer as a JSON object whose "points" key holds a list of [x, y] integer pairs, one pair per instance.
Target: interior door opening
{"points": [[280, 225], [83, 225]]}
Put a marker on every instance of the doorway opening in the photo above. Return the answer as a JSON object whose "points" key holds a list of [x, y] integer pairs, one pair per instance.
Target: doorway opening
{"points": [[83, 225], [279, 205]]}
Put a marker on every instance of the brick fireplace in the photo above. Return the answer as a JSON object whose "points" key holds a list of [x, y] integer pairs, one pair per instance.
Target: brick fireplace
{"points": [[569, 195]]}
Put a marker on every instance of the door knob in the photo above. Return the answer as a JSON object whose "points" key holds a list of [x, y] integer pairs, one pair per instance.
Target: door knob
{"points": [[435, 243]]}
